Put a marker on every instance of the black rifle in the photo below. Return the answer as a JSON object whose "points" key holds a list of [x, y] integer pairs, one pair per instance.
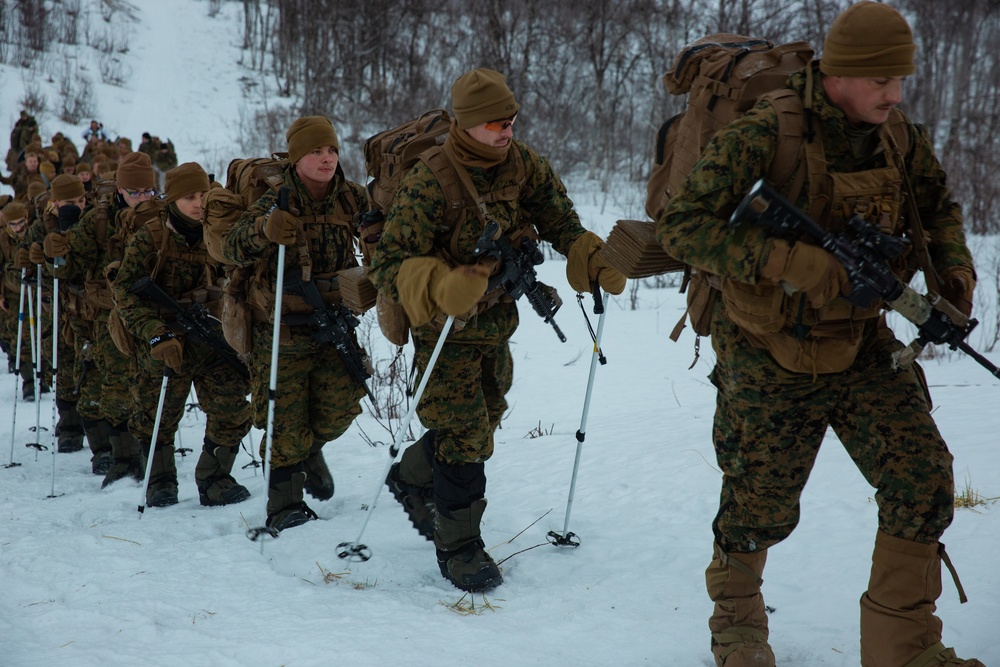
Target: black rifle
{"points": [[517, 271], [194, 320], [332, 325], [865, 257]]}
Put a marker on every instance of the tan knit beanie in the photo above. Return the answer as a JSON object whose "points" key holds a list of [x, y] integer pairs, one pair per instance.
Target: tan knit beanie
{"points": [[309, 133], [868, 39], [481, 96], [185, 179], [67, 186], [135, 172]]}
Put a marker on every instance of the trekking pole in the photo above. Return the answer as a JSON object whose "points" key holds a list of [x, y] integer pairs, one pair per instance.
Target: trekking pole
{"points": [[568, 539], [36, 360], [356, 550], [17, 369], [55, 365], [167, 372], [272, 384]]}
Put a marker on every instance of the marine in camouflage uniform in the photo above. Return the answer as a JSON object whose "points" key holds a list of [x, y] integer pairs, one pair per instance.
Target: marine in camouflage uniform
{"points": [[441, 479], [316, 398], [819, 362], [68, 199], [92, 250], [10, 274], [170, 250]]}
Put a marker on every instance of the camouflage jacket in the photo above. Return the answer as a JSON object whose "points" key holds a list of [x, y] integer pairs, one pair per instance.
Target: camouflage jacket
{"points": [[90, 249], [415, 226], [183, 269], [331, 247], [694, 226]]}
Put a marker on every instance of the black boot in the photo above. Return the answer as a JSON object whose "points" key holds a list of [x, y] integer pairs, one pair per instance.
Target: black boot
{"points": [[319, 480], [215, 485], [285, 506], [97, 432], [125, 454], [162, 489], [69, 428], [461, 554], [411, 482]]}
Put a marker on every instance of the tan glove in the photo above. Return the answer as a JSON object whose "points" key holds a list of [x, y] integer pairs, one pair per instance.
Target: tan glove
{"points": [[957, 285], [808, 268], [427, 286], [56, 244], [36, 254], [585, 263], [165, 347], [23, 259], [281, 227]]}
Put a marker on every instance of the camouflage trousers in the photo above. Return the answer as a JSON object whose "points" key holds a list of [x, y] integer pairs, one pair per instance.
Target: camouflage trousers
{"points": [[28, 342], [221, 392], [769, 424], [104, 389], [316, 398], [465, 396]]}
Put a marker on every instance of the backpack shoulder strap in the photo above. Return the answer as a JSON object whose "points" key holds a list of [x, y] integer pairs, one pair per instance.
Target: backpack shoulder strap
{"points": [[787, 160]]}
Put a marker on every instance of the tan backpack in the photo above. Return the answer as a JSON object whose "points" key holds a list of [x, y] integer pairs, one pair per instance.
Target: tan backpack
{"points": [[724, 75], [388, 156]]}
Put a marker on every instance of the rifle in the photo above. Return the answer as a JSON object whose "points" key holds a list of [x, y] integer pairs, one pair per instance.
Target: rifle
{"points": [[865, 257], [194, 320], [333, 324], [517, 272]]}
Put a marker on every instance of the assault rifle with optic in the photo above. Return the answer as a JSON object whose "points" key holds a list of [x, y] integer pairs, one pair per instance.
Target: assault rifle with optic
{"points": [[864, 251], [194, 320], [517, 272]]}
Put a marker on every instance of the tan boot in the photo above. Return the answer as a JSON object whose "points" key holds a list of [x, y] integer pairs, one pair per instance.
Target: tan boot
{"points": [[216, 485], [319, 480], [162, 489], [461, 554], [285, 506], [739, 622], [898, 625], [411, 482]]}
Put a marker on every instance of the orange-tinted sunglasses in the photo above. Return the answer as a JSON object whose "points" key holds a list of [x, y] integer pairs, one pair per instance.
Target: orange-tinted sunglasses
{"points": [[500, 125]]}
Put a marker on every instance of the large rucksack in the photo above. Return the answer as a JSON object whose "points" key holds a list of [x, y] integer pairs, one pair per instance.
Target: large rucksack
{"points": [[724, 75], [247, 179]]}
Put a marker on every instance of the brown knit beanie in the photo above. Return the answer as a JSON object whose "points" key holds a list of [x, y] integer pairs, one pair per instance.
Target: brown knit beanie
{"points": [[83, 168], [868, 39], [481, 96], [67, 186], [309, 133], [185, 179], [135, 172], [35, 188], [15, 210]]}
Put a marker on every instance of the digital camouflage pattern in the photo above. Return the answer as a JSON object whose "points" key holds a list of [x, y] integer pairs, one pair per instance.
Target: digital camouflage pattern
{"points": [[220, 389], [316, 398], [769, 422], [465, 403], [92, 246]]}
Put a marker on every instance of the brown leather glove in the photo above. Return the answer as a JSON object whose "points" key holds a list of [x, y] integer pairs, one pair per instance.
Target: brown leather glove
{"points": [[427, 286], [56, 244], [808, 268], [36, 254], [585, 263], [165, 347], [957, 285], [23, 259], [281, 227]]}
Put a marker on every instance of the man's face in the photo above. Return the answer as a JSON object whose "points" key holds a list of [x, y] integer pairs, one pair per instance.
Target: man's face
{"points": [[31, 162], [190, 205], [318, 165], [496, 133], [79, 202], [18, 227], [135, 197], [865, 99]]}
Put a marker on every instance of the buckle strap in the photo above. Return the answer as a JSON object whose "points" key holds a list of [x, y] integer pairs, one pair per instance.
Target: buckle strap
{"points": [[962, 597], [739, 567]]}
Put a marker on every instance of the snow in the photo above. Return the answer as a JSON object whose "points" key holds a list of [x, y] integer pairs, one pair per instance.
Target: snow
{"points": [[85, 579]]}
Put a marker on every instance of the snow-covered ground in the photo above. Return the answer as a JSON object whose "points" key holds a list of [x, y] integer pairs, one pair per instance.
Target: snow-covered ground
{"points": [[86, 580]]}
